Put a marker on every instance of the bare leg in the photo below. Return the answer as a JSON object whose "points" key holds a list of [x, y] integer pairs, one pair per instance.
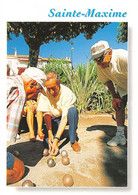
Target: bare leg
{"points": [[30, 122], [120, 137], [39, 123], [120, 116]]}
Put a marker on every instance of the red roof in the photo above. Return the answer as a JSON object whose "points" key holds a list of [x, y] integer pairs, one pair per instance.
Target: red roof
{"points": [[24, 58]]}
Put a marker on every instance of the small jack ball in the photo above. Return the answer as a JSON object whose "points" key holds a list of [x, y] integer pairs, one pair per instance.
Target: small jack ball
{"points": [[64, 153], [65, 160], [51, 162], [28, 183], [67, 180]]}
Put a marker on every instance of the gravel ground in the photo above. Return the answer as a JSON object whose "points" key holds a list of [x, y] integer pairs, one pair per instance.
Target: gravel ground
{"points": [[96, 165]]}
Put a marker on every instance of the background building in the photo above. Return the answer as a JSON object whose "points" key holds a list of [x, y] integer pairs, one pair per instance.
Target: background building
{"points": [[18, 63]]}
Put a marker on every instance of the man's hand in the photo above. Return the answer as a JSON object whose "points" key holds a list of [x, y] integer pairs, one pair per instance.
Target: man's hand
{"points": [[50, 140], [55, 148], [117, 103]]}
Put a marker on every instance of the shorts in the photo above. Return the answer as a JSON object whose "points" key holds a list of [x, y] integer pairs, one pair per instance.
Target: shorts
{"points": [[25, 107], [124, 99]]}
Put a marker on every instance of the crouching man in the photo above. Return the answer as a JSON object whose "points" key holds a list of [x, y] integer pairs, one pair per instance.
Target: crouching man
{"points": [[58, 110]]}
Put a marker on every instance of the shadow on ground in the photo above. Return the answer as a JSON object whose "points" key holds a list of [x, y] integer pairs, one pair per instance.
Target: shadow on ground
{"points": [[109, 130], [114, 158], [23, 128], [115, 166], [29, 152]]}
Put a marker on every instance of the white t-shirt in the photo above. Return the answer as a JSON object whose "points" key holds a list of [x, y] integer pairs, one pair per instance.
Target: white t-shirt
{"points": [[117, 70], [59, 105]]}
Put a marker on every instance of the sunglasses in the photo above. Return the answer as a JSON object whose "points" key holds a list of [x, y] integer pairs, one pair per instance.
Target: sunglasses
{"points": [[38, 86], [100, 59]]}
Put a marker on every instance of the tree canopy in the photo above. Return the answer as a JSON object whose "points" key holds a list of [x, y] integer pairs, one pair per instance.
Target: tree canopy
{"points": [[38, 33], [123, 32]]}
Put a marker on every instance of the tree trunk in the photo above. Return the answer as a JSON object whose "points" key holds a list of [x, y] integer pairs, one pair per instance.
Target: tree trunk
{"points": [[33, 57]]}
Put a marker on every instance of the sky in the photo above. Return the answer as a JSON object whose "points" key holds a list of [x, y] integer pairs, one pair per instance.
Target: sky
{"points": [[81, 51]]}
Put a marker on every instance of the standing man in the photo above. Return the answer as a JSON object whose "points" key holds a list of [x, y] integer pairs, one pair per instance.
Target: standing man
{"points": [[112, 69], [58, 109], [20, 89]]}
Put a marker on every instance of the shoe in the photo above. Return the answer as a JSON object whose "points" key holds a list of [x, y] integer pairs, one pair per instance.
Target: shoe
{"points": [[33, 139], [76, 146], [118, 139], [41, 136], [18, 137]]}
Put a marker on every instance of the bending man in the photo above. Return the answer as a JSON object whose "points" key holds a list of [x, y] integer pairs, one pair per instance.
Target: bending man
{"points": [[112, 68]]}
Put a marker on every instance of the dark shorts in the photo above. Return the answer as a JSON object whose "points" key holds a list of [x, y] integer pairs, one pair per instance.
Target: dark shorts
{"points": [[124, 99]]}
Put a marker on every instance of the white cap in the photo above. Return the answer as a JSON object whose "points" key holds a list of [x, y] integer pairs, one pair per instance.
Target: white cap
{"points": [[37, 75], [98, 49]]}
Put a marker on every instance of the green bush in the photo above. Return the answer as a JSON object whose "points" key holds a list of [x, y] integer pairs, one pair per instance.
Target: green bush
{"points": [[101, 100], [56, 66], [83, 83]]}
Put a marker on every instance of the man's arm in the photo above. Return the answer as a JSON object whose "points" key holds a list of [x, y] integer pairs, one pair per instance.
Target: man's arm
{"points": [[111, 88], [48, 122], [61, 129], [116, 100], [62, 126]]}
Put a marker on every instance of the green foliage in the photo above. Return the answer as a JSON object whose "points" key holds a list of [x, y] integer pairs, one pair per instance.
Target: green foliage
{"points": [[90, 93], [123, 32], [56, 66], [43, 32], [101, 100], [83, 81]]}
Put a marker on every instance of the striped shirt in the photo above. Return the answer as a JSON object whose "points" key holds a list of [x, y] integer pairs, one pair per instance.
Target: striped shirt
{"points": [[15, 101]]}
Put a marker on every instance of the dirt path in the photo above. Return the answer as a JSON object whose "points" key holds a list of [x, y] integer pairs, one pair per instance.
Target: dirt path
{"points": [[96, 165]]}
